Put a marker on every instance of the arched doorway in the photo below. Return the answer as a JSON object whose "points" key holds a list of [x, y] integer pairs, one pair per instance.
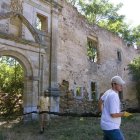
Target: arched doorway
{"points": [[28, 92], [11, 87]]}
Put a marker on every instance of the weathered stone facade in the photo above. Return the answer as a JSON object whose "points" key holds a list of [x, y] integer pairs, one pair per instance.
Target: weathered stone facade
{"points": [[61, 41], [73, 64], [21, 39]]}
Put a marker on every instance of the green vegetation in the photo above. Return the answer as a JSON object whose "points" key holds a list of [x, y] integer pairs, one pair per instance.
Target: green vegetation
{"points": [[134, 70], [105, 14], [67, 129], [11, 86]]}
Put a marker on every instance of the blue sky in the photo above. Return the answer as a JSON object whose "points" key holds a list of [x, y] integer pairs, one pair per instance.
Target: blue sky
{"points": [[131, 9]]}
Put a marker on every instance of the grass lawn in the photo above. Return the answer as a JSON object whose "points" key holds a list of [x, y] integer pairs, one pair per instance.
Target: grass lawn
{"points": [[66, 128]]}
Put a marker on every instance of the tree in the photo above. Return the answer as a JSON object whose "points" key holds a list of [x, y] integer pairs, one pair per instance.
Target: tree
{"points": [[105, 14], [100, 10], [11, 86], [73, 2], [136, 35], [134, 70]]}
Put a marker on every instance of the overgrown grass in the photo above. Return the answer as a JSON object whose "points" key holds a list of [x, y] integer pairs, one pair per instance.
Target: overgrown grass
{"points": [[66, 129]]}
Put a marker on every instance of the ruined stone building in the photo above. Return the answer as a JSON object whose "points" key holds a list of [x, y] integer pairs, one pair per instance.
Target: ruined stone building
{"points": [[51, 40]]}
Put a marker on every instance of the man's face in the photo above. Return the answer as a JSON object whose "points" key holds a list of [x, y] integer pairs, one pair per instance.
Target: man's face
{"points": [[118, 87]]}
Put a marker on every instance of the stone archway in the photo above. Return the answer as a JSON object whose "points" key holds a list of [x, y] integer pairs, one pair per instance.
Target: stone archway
{"points": [[36, 81], [31, 81], [28, 104]]}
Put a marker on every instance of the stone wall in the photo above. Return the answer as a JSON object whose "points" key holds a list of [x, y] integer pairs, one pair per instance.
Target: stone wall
{"points": [[20, 39], [68, 102], [73, 65], [25, 49]]}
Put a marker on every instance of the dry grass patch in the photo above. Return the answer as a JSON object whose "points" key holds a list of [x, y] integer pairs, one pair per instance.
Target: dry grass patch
{"points": [[66, 129]]}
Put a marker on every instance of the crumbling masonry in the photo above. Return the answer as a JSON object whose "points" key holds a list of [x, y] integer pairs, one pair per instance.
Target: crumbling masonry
{"points": [[51, 41]]}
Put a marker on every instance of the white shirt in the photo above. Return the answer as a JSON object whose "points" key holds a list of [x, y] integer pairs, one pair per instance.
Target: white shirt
{"points": [[111, 105]]}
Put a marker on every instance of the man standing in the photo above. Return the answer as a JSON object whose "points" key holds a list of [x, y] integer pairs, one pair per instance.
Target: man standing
{"points": [[109, 104], [43, 105]]}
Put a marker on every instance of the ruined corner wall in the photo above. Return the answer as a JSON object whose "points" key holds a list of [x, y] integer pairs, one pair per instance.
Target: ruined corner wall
{"points": [[73, 65], [109, 66]]}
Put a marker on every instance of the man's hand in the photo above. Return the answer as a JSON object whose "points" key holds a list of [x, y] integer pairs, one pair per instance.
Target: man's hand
{"points": [[127, 114]]}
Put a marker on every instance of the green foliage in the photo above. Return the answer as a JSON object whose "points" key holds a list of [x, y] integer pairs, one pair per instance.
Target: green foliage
{"points": [[100, 10], [73, 2], [92, 50], [105, 14], [134, 70], [11, 86], [136, 35]]}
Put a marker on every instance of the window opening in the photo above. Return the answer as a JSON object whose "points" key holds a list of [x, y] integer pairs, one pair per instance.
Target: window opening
{"points": [[93, 90], [79, 91], [41, 22], [92, 50], [119, 55]]}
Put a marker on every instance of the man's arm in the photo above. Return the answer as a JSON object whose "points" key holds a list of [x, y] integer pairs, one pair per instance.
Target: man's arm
{"points": [[121, 114], [100, 105], [38, 105], [100, 102], [116, 115]]}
